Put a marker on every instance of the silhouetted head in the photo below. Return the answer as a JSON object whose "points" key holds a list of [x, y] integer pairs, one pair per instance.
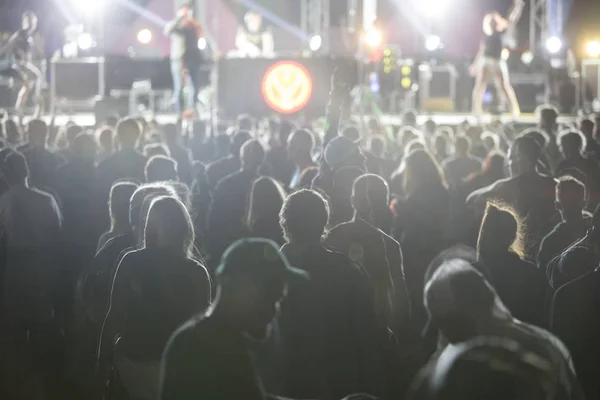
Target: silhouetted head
{"points": [[161, 168], [140, 203], [252, 155], [304, 216], [370, 196], [523, 155], [14, 169], [343, 152], [239, 138], [129, 131], [462, 146], [265, 202], [84, 148], [352, 133], [105, 137], [118, 203], [37, 133], [587, 128], [300, 146], [501, 231], [421, 171], [169, 227], [548, 117], [570, 197], [571, 143], [376, 144], [156, 149]]}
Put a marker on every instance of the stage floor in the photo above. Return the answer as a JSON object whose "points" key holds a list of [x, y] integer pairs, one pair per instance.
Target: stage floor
{"points": [[88, 119]]}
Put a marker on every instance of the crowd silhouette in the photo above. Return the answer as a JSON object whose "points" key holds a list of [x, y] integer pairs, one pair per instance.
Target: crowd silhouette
{"points": [[299, 259]]}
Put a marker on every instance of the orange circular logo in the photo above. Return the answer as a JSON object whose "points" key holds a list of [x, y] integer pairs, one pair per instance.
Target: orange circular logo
{"points": [[287, 87]]}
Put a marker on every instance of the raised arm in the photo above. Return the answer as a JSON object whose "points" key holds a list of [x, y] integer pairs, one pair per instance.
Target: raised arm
{"points": [[9, 45], [172, 26], [516, 13]]}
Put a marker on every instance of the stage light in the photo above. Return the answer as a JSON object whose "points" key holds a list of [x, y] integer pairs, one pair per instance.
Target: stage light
{"points": [[287, 87], [406, 83], [315, 43], [433, 42], [431, 8], [554, 45], [593, 48], [85, 41], [527, 57], [144, 36], [505, 55], [89, 6], [202, 43], [373, 37]]}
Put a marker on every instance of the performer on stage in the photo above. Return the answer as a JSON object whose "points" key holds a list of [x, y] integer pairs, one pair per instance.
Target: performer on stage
{"points": [[16, 62], [186, 57], [253, 38], [489, 63]]}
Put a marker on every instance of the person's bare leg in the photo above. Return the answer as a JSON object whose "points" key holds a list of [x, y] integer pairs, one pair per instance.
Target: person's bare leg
{"points": [[509, 91], [479, 90], [502, 99]]}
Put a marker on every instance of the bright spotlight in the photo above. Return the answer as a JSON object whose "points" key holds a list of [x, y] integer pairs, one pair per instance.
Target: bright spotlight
{"points": [[90, 6], [315, 43], [527, 57], [505, 55], [144, 36], [430, 8], [202, 43], [373, 37], [85, 41], [593, 48], [553, 45], [433, 42]]}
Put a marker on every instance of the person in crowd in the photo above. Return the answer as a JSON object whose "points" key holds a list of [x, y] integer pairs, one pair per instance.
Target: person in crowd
{"points": [[13, 132], [341, 193], [229, 201], [161, 168], [209, 356], [573, 317], [340, 152], [548, 125], [421, 222], [375, 251], [126, 163], [265, 201], [463, 164], [570, 202], [105, 140], [519, 284], [228, 165], [492, 170], [489, 367], [490, 141], [30, 226], [572, 146], [328, 342], [527, 191], [462, 305], [118, 206], [179, 153], [592, 147], [300, 147], [200, 197], [41, 162], [306, 177], [376, 154], [440, 148], [155, 290], [155, 149], [66, 140], [277, 159]]}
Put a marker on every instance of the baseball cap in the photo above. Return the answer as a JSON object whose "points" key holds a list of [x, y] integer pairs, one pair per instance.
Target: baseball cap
{"points": [[257, 257], [339, 150]]}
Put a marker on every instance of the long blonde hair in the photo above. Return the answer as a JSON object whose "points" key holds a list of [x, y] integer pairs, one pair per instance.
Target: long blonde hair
{"points": [[169, 226]]}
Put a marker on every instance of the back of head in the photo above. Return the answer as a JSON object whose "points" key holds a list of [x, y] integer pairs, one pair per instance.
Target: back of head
{"points": [[571, 143], [156, 149], [351, 132], [370, 192], [421, 171], [458, 299], [14, 169], [301, 141], [129, 131], [548, 117], [71, 134], [140, 201], [462, 145], [587, 128], [252, 154], [161, 168], [239, 138], [105, 137], [13, 131], [409, 118], [286, 127], [266, 199], [118, 203], [84, 147], [570, 195], [377, 145], [169, 226], [245, 122], [524, 154], [492, 368], [170, 133], [501, 231], [37, 132], [304, 216]]}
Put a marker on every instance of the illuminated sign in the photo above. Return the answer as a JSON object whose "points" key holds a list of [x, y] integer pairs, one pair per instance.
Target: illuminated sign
{"points": [[287, 87]]}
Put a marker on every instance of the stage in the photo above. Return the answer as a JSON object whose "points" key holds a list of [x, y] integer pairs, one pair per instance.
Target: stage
{"points": [[88, 119]]}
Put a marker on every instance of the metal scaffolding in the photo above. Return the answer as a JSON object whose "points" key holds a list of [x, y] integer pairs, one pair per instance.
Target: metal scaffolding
{"points": [[315, 20], [538, 23]]}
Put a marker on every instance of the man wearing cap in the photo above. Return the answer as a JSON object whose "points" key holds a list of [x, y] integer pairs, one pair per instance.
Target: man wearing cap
{"points": [[462, 305], [208, 357]]}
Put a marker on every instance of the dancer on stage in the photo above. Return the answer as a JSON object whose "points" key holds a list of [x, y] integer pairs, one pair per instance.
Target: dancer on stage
{"points": [[253, 38], [186, 56], [489, 63], [16, 62]]}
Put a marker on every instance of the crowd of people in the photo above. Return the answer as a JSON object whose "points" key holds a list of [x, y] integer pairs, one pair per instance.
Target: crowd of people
{"points": [[267, 259]]}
